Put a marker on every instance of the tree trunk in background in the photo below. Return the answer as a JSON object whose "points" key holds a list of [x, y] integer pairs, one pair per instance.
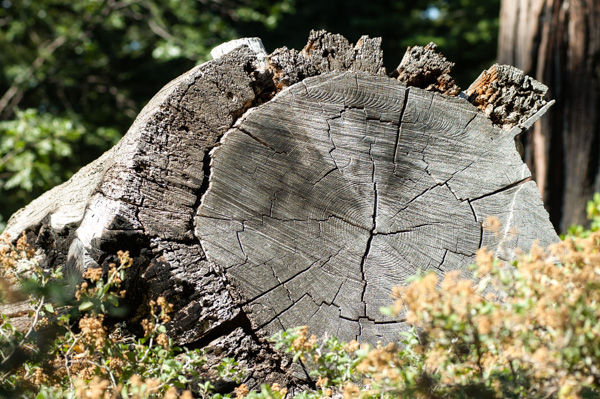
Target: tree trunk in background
{"points": [[558, 43]]}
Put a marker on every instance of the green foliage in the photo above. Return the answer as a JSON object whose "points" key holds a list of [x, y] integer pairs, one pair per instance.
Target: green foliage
{"points": [[593, 214], [95, 64], [32, 146], [356, 370], [329, 359]]}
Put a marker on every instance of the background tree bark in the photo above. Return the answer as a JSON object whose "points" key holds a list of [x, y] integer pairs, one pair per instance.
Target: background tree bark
{"points": [[558, 42]]}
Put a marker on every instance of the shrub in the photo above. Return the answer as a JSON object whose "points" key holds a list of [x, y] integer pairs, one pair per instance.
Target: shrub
{"points": [[524, 329]]}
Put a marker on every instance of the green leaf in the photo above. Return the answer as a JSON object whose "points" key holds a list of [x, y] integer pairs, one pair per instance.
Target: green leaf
{"points": [[85, 306]]}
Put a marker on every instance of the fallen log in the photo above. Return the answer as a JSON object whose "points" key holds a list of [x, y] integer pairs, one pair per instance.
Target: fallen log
{"points": [[261, 192]]}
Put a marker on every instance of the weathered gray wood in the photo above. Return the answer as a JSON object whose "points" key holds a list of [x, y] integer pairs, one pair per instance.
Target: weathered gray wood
{"points": [[522, 216], [341, 187], [18, 313], [264, 193]]}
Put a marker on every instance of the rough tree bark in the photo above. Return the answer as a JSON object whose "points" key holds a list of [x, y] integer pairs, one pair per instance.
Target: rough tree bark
{"points": [[264, 192], [558, 42]]}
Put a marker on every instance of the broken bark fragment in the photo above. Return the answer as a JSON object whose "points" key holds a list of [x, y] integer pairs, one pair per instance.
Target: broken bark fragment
{"points": [[427, 69], [259, 193], [324, 53], [507, 96]]}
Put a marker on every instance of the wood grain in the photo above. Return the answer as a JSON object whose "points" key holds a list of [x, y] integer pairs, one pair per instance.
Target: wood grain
{"points": [[342, 186]]}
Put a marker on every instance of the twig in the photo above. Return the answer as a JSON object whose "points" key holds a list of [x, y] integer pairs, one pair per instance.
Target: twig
{"points": [[15, 90]]}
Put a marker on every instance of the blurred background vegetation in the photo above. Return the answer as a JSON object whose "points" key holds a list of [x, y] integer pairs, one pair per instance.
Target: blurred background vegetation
{"points": [[75, 73]]}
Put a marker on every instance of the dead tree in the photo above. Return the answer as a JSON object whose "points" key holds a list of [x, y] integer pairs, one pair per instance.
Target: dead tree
{"points": [[261, 192]]}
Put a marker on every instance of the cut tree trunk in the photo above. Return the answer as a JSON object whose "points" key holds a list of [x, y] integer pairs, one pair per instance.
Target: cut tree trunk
{"points": [[558, 42], [258, 193]]}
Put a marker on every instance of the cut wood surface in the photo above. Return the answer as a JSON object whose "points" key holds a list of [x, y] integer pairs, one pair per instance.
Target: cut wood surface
{"points": [[261, 192], [343, 186]]}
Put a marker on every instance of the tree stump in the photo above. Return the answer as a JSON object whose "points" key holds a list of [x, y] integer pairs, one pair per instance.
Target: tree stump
{"points": [[261, 192]]}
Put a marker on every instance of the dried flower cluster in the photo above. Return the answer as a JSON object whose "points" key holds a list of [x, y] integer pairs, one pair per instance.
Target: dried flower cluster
{"points": [[544, 333], [16, 262], [302, 341], [525, 329]]}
